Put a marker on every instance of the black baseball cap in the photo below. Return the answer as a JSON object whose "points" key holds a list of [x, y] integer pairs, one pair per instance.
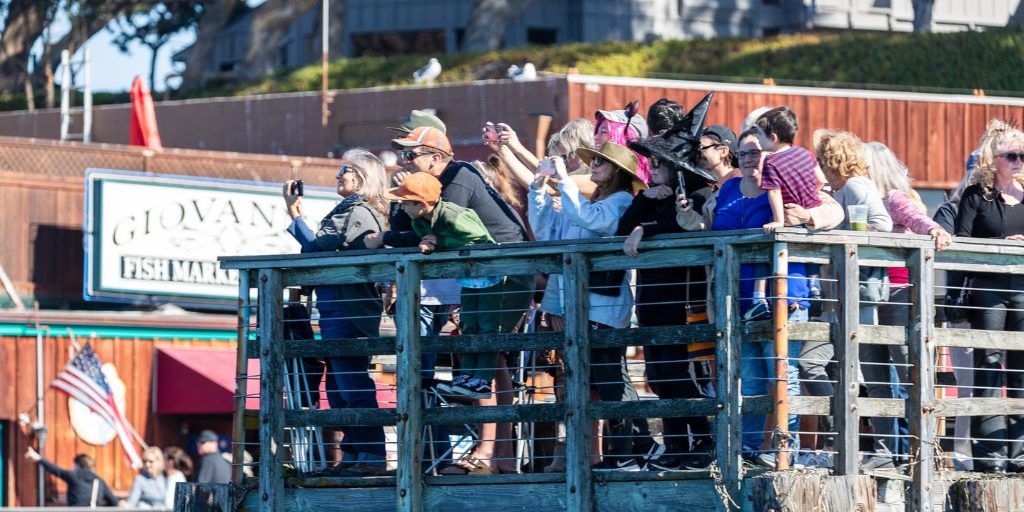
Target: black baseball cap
{"points": [[723, 135]]}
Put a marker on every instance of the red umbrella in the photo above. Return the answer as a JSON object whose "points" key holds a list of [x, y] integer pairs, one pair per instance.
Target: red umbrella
{"points": [[142, 130]]}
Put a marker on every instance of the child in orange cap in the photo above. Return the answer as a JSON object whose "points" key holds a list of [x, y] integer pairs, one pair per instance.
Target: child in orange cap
{"points": [[446, 225]]}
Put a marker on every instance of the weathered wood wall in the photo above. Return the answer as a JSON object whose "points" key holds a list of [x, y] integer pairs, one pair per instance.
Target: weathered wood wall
{"points": [[931, 133], [133, 359]]}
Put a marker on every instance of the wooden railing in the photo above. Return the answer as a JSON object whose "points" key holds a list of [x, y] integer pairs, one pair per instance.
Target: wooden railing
{"points": [[723, 487]]}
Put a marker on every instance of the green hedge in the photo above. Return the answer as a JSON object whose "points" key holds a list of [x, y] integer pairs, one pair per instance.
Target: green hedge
{"points": [[955, 62]]}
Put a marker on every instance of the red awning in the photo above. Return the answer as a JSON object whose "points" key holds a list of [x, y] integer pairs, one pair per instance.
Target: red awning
{"points": [[199, 381], [202, 381]]}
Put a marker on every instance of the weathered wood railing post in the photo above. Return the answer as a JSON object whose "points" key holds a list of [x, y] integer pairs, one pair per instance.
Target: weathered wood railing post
{"points": [[921, 401], [847, 418], [579, 492], [271, 331], [780, 333], [241, 378], [407, 339], [728, 430]]}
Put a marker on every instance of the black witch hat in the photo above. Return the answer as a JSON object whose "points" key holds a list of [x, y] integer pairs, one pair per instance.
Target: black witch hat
{"points": [[679, 146]]}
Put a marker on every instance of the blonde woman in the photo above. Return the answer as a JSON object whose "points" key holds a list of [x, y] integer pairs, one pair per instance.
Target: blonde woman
{"points": [[362, 211], [841, 156], [991, 208], [149, 487]]}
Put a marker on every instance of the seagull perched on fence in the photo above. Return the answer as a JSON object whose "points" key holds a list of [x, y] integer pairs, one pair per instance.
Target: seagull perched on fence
{"points": [[428, 73], [522, 74]]}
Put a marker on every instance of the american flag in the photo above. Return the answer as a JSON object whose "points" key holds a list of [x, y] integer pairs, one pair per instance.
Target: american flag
{"points": [[82, 379]]}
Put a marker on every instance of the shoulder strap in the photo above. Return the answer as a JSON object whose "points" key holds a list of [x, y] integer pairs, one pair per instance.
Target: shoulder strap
{"points": [[95, 492]]}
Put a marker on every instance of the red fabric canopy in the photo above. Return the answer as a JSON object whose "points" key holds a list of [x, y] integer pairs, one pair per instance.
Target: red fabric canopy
{"points": [[199, 381], [142, 129], [191, 380]]}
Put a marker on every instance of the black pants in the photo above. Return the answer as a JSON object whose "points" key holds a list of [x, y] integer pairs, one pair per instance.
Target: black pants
{"points": [[670, 375], [999, 440], [610, 377]]}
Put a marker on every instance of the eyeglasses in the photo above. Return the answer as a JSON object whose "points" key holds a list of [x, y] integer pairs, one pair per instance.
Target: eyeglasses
{"points": [[709, 146], [346, 169], [655, 163], [598, 160], [1012, 157], [409, 156], [752, 153]]}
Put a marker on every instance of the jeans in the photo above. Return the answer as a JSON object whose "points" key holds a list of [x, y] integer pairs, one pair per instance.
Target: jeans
{"points": [[349, 386], [755, 368]]}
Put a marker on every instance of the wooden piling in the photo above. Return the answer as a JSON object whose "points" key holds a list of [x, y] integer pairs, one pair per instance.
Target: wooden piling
{"points": [[808, 491], [780, 328], [579, 493], [990, 495], [847, 416], [272, 441], [408, 407]]}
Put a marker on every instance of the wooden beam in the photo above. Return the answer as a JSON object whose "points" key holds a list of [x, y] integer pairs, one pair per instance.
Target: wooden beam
{"points": [[847, 418], [977, 338], [921, 404], [272, 440], [578, 491], [409, 407], [727, 376]]}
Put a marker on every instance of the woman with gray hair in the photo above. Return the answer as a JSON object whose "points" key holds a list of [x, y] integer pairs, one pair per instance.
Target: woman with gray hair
{"points": [[363, 210]]}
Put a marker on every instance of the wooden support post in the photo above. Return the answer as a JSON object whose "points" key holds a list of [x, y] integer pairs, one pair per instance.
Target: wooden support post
{"points": [[410, 425], [728, 424], [921, 404], [241, 379], [803, 492], [579, 492], [271, 332], [991, 495], [780, 331], [192, 497], [845, 263]]}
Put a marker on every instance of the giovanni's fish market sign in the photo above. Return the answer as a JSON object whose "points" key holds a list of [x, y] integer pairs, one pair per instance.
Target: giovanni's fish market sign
{"points": [[156, 238]]}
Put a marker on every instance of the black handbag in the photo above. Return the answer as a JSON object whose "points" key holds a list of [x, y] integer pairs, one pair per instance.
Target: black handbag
{"points": [[957, 303], [606, 282]]}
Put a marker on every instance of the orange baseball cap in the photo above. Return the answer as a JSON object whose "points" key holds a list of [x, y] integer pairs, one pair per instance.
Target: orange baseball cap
{"points": [[424, 136], [416, 187]]}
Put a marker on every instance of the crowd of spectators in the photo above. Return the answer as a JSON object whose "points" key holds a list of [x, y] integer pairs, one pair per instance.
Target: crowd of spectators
{"points": [[621, 175]]}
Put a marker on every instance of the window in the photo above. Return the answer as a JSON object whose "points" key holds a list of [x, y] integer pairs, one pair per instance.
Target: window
{"points": [[545, 36], [387, 44]]}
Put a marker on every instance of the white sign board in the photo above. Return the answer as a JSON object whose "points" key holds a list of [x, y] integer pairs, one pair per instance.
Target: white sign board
{"points": [[156, 238]]}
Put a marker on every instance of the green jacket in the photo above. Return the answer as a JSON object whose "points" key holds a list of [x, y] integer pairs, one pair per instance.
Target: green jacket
{"points": [[454, 226]]}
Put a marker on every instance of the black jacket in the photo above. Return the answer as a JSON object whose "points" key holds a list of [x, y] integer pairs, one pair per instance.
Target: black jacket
{"points": [[80, 483], [982, 214], [660, 291], [462, 185]]}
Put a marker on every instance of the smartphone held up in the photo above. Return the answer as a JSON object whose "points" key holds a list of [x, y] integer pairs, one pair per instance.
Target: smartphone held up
{"points": [[297, 186], [546, 168], [492, 133]]}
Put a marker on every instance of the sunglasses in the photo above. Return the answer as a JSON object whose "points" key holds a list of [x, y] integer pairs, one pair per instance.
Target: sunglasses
{"points": [[346, 169], [752, 153], [1012, 157], [655, 163], [409, 156], [597, 160], [709, 146]]}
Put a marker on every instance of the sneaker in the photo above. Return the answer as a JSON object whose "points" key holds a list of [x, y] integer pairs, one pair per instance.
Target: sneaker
{"points": [[816, 303], [557, 464], [696, 461], [613, 463], [653, 453], [878, 463], [758, 310], [766, 459], [477, 389], [445, 388], [665, 463]]}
